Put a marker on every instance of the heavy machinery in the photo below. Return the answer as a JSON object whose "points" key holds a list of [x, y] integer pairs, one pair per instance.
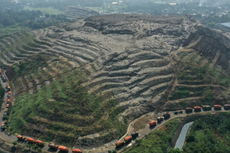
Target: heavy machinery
{"points": [[53, 146], [76, 151], [40, 143], [63, 148]]}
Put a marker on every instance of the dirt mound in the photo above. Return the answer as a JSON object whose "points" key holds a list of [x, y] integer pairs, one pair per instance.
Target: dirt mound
{"points": [[212, 44]]}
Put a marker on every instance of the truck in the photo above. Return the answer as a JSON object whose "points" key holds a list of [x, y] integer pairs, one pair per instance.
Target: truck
{"points": [[21, 138], [30, 140], [39, 143], [63, 149], [166, 116], [128, 139], [226, 106], [206, 107], [160, 119], [76, 151], [217, 107], [188, 109], [135, 134], [53, 146], [197, 108], [152, 123], [119, 144], [8, 100]]}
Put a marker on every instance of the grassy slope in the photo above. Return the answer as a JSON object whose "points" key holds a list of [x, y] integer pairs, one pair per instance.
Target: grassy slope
{"points": [[157, 141], [65, 108]]}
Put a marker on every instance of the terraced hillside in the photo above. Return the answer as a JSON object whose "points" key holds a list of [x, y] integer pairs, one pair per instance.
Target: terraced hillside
{"points": [[76, 12], [114, 68]]}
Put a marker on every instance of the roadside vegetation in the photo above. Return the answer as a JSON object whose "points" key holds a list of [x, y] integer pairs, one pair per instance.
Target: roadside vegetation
{"points": [[157, 141], [208, 134], [64, 109]]}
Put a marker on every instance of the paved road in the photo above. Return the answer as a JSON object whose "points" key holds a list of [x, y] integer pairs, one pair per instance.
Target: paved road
{"points": [[4, 135], [183, 133]]}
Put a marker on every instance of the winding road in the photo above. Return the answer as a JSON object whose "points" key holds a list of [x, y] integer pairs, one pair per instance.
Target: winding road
{"points": [[142, 133]]}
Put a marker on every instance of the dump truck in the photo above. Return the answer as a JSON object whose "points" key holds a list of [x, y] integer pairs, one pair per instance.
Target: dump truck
{"points": [[30, 140], [197, 108], [160, 119], [53, 146], [119, 144], [128, 139], [152, 123], [188, 109], [135, 134], [166, 116], [63, 148], [76, 151], [226, 106], [217, 107], [21, 138], [206, 107], [3, 127], [40, 143]]}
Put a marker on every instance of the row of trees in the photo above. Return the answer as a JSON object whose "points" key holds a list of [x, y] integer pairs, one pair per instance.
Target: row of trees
{"points": [[32, 19]]}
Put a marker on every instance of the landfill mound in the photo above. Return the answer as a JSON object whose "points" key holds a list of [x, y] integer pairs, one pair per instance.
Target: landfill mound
{"points": [[144, 63]]}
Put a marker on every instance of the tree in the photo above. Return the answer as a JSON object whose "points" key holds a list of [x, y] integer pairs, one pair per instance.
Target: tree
{"points": [[15, 143], [172, 150], [190, 138]]}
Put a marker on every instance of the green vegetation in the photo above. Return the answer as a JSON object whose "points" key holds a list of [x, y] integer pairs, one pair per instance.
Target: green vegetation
{"points": [[64, 108], [12, 21], [209, 134], [15, 143], [45, 10], [157, 141]]}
